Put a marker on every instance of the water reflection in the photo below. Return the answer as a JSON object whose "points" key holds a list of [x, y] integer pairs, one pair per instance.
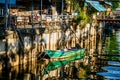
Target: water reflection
{"points": [[109, 76], [61, 70], [65, 70], [114, 63], [93, 67], [111, 70], [54, 65]]}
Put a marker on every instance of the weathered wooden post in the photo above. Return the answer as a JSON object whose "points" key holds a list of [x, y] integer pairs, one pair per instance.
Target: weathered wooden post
{"points": [[88, 32], [32, 11]]}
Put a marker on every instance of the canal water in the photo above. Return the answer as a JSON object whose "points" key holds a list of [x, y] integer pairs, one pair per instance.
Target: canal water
{"points": [[105, 66]]}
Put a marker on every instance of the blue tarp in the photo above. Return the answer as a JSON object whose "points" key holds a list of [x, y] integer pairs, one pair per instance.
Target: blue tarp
{"points": [[9, 1]]}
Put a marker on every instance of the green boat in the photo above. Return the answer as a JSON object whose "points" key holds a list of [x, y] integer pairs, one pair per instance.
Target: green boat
{"points": [[70, 54], [52, 65]]}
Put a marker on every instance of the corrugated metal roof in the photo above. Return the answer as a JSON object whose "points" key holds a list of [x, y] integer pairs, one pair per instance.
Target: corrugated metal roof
{"points": [[109, 3], [97, 5]]}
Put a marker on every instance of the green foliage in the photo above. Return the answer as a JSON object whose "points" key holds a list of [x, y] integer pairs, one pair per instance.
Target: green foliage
{"points": [[112, 44], [81, 12], [82, 16], [115, 5], [75, 4]]}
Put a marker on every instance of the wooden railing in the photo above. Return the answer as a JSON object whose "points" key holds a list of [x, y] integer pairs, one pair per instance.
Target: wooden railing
{"points": [[39, 21], [109, 19]]}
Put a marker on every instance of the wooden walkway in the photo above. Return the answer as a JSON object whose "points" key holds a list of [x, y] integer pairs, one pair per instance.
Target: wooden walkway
{"points": [[116, 21]]}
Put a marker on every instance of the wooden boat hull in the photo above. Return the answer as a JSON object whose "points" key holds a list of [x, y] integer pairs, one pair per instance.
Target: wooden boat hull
{"points": [[65, 55]]}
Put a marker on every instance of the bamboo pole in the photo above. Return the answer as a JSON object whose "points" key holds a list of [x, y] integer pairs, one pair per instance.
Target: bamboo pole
{"points": [[6, 13], [32, 10]]}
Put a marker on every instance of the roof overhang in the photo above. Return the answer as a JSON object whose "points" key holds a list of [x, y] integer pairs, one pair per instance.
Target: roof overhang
{"points": [[108, 3], [96, 5], [9, 2]]}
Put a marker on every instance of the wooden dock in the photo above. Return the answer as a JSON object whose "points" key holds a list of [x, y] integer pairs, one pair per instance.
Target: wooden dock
{"points": [[115, 21]]}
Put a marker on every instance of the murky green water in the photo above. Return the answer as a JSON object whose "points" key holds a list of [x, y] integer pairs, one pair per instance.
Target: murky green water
{"points": [[97, 67], [111, 70]]}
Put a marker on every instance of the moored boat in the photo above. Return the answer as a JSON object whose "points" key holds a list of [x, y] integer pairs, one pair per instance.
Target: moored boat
{"points": [[70, 54]]}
